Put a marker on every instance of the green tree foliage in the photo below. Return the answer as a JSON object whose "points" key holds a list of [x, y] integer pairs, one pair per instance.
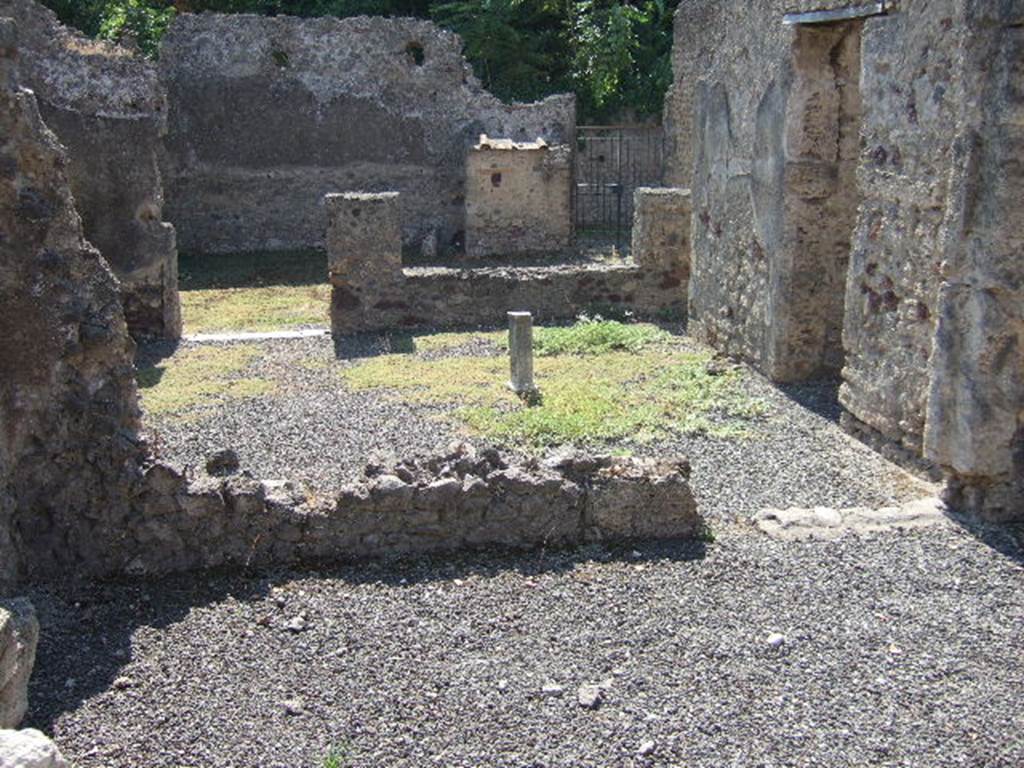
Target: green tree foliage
{"points": [[613, 54]]}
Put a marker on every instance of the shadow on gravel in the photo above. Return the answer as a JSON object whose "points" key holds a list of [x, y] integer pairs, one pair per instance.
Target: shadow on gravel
{"points": [[87, 630], [149, 354], [1007, 539], [820, 396]]}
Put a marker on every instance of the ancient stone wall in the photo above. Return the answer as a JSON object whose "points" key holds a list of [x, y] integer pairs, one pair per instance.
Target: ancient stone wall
{"points": [[975, 424], [267, 115], [910, 93], [518, 198], [763, 121], [80, 492], [67, 383], [888, 142], [371, 291], [107, 107]]}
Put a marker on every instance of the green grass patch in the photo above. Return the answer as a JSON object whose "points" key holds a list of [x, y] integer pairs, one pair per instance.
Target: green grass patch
{"points": [[201, 376], [597, 384], [256, 309], [267, 291], [596, 337]]}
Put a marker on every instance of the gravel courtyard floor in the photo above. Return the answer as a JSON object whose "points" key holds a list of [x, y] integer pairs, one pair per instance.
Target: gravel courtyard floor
{"points": [[314, 430], [899, 649], [891, 649]]}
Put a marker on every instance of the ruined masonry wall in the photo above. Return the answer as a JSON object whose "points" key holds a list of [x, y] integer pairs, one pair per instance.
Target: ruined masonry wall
{"points": [[975, 425], [371, 291], [81, 494], [270, 114], [931, 313], [107, 107], [661, 233], [68, 451]]}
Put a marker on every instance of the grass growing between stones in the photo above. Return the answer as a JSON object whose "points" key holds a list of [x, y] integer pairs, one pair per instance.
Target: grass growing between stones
{"points": [[600, 381], [201, 376], [271, 291]]}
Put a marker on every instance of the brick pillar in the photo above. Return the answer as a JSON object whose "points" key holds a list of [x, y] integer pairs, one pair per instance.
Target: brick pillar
{"points": [[364, 257]]}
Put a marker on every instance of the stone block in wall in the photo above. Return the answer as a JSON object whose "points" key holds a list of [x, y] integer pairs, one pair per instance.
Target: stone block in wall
{"points": [[108, 109], [19, 636], [518, 198], [364, 255], [661, 236]]}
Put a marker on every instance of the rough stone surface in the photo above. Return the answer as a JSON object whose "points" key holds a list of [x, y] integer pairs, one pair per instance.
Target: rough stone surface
{"points": [[19, 636], [518, 198], [440, 503], [908, 129], [823, 523], [29, 749], [768, 150], [67, 382], [975, 425], [267, 115], [108, 109], [875, 154], [372, 291], [661, 236]]}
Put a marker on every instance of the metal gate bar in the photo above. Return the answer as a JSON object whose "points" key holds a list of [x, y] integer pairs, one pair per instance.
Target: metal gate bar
{"points": [[611, 162]]}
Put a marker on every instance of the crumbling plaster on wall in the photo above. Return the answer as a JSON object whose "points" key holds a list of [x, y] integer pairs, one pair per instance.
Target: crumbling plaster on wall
{"points": [[270, 114], [519, 198]]}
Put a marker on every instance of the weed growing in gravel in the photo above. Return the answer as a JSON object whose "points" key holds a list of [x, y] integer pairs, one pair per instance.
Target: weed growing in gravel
{"points": [[602, 385], [201, 376], [594, 336], [337, 757]]}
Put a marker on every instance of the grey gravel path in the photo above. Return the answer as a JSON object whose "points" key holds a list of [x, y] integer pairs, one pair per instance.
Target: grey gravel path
{"points": [[317, 432], [895, 650]]}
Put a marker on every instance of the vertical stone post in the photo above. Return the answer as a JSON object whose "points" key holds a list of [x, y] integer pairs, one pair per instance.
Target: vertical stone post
{"points": [[520, 350], [661, 241], [364, 258]]}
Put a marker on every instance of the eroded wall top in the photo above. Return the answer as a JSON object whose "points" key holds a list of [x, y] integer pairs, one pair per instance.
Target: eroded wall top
{"points": [[77, 73]]}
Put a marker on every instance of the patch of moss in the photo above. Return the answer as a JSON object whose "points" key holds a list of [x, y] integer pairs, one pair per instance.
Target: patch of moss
{"points": [[201, 377]]}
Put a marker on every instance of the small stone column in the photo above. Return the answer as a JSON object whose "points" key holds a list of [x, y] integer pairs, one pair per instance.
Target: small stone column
{"points": [[520, 350], [364, 257]]}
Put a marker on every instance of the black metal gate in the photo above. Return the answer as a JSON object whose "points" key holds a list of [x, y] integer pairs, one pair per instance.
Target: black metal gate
{"points": [[611, 162]]}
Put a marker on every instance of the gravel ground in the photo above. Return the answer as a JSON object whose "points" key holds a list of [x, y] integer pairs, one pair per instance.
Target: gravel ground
{"points": [[893, 650], [317, 432]]}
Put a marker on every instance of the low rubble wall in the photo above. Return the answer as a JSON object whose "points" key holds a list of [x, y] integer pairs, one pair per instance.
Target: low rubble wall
{"points": [[372, 291]]}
